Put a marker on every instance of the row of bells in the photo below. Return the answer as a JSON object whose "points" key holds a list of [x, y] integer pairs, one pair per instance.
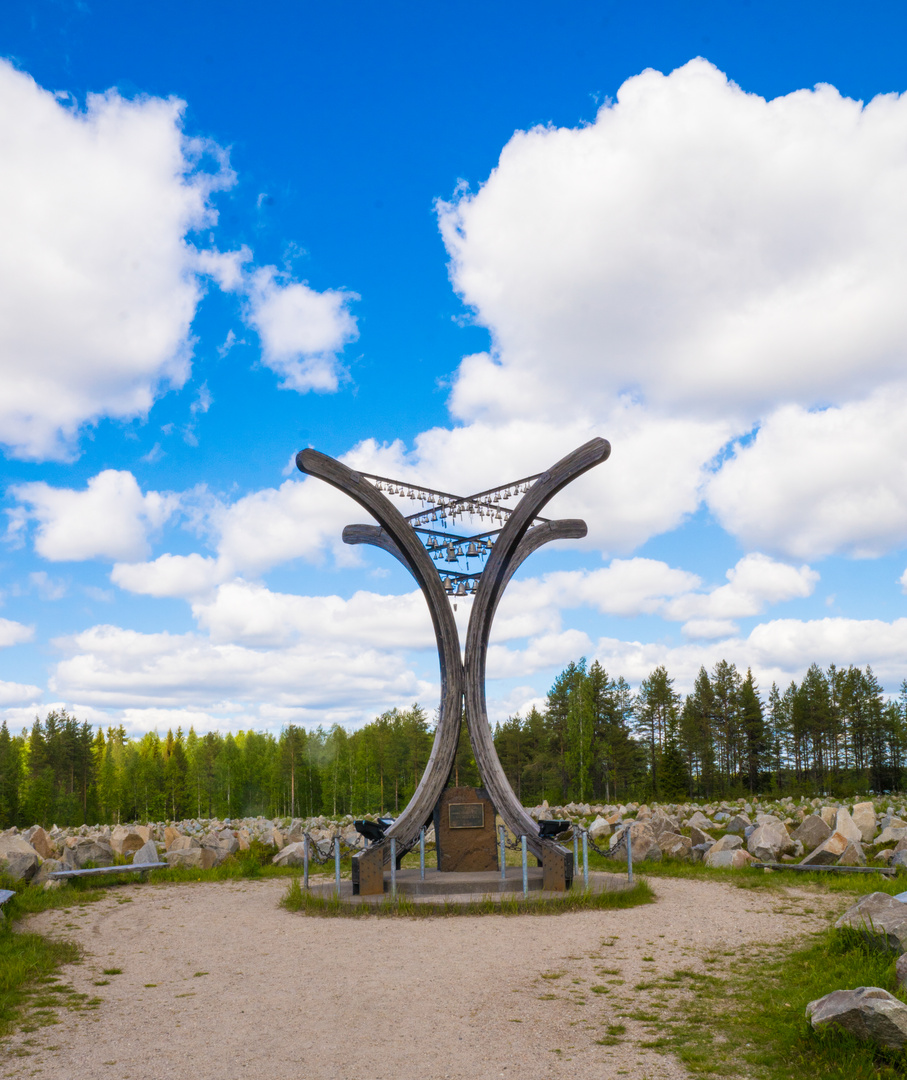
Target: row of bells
{"points": [[455, 551], [463, 587]]}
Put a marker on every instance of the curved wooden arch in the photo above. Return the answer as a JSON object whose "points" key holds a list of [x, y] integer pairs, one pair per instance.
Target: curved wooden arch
{"points": [[396, 537], [516, 541]]}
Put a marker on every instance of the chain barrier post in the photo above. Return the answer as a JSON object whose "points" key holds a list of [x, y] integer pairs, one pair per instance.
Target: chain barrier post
{"points": [[503, 855], [575, 850], [422, 853], [629, 854], [525, 868], [393, 867], [337, 862], [585, 859], [305, 860]]}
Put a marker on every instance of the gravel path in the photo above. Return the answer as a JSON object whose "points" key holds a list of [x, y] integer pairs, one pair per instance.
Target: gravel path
{"points": [[218, 983]]}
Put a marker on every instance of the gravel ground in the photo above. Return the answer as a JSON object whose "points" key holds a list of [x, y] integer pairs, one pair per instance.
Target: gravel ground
{"points": [[218, 982]]}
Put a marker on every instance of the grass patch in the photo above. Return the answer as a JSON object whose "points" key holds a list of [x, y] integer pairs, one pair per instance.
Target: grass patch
{"points": [[750, 1018], [298, 899], [28, 963], [813, 881]]}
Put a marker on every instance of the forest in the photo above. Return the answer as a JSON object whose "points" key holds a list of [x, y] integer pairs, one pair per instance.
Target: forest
{"points": [[595, 740]]}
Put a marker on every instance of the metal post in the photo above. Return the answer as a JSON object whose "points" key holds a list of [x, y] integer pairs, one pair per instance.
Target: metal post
{"points": [[525, 869], [422, 853], [305, 860], [575, 851], [394, 867], [503, 856], [629, 854], [337, 862], [585, 859]]}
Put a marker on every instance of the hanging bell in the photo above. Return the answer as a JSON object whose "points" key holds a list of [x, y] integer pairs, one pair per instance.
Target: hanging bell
{"points": [[447, 585], [451, 553], [471, 551], [461, 589]]}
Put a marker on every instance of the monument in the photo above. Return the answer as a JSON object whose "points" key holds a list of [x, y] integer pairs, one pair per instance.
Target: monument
{"points": [[478, 563]]}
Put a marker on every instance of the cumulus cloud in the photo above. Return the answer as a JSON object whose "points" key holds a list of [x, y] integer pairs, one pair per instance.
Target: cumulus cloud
{"points": [[301, 330], [110, 519], [14, 633], [96, 293], [700, 246], [111, 667], [12, 693], [815, 483]]}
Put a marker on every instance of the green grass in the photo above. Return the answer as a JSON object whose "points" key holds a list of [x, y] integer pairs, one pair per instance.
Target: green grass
{"points": [[747, 878], [298, 899], [748, 1018]]}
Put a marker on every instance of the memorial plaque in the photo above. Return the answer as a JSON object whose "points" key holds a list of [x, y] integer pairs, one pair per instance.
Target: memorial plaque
{"points": [[466, 815], [464, 830]]}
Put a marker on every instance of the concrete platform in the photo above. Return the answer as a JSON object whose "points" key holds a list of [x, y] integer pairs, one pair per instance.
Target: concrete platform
{"points": [[441, 887]]}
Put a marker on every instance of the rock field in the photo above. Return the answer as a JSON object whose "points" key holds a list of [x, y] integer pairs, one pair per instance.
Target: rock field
{"points": [[721, 834]]}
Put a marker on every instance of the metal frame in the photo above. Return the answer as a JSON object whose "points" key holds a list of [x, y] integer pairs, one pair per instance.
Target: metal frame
{"points": [[523, 532]]}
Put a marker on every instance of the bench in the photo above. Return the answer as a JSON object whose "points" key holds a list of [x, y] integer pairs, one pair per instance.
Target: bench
{"points": [[140, 867]]}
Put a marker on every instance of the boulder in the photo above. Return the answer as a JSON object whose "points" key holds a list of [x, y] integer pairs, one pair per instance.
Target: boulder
{"points": [[292, 855], [738, 824], [769, 842], [144, 832], [827, 853], [699, 821], [18, 858], [812, 832], [828, 814], [900, 969], [170, 835], [147, 853], [40, 841], [45, 870], [599, 829], [195, 857], [891, 835], [898, 859], [660, 823], [642, 840], [675, 846], [880, 919], [845, 825], [697, 836], [183, 843], [125, 839], [853, 855], [726, 843], [864, 817], [869, 1012], [731, 859], [84, 850]]}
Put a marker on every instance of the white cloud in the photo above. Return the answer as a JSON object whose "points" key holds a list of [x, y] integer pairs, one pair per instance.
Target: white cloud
{"points": [[251, 614], [301, 330], [12, 693], [96, 289], [814, 483], [14, 633], [48, 588], [170, 575], [111, 518], [712, 251], [109, 667], [754, 583]]}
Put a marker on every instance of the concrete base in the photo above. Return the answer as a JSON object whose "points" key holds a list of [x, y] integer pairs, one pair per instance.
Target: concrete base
{"points": [[440, 887]]}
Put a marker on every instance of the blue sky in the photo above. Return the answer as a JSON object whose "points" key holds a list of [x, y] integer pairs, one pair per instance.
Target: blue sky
{"points": [[447, 242]]}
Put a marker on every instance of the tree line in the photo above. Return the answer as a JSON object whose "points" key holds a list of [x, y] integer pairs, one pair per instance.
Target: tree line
{"points": [[595, 739]]}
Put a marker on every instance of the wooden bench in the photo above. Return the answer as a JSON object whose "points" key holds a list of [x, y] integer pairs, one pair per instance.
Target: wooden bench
{"points": [[140, 867]]}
